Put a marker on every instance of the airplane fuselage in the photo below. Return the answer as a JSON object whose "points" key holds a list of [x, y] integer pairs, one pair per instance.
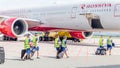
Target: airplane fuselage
{"points": [[85, 15]]}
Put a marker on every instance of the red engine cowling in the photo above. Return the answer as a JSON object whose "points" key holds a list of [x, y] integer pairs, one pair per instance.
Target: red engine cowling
{"points": [[14, 27], [81, 35]]}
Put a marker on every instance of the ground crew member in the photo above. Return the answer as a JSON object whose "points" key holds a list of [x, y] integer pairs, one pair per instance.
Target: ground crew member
{"points": [[35, 47], [109, 45], [27, 47], [57, 44], [101, 42], [64, 47]]}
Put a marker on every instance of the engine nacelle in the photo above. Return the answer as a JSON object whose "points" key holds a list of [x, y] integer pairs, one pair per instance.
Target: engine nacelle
{"points": [[81, 35], [14, 27]]}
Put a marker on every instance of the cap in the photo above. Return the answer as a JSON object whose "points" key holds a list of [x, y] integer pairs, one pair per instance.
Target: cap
{"points": [[27, 34]]}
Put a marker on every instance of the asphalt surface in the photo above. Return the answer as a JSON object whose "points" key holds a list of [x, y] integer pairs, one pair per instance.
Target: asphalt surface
{"points": [[79, 57]]}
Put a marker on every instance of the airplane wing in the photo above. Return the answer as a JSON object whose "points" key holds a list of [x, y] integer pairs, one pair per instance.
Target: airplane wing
{"points": [[15, 27]]}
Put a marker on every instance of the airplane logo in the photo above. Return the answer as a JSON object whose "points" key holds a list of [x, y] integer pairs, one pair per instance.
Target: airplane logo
{"points": [[103, 5], [83, 6]]}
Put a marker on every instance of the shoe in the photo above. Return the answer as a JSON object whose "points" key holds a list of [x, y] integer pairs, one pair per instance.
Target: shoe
{"points": [[67, 56], [38, 57], [57, 57], [23, 59], [31, 59]]}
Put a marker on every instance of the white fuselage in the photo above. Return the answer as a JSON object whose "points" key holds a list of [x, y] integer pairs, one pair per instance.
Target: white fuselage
{"points": [[77, 16]]}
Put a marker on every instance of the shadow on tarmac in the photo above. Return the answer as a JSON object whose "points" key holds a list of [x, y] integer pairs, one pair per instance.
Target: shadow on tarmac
{"points": [[53, 57], [13, 59], [77, 44], [108, 66]]}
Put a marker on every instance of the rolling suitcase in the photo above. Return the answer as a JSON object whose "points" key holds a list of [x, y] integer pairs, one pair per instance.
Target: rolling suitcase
{"points": [[22, 53], [28, 56], [60, 53], [2, 55], [100, 51], [103, 51]]}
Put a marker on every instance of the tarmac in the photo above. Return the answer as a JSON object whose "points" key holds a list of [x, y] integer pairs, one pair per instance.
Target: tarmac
{"points": [[81, 55]]}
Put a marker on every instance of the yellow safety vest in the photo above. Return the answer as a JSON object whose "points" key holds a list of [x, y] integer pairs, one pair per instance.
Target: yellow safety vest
{"points": [[101, 41], [35, 41], [109, 42], [63, 43], [56, 44], [26, 43]]}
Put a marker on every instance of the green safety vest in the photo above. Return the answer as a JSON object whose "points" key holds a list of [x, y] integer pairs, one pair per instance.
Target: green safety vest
{"points": [[63, 43], [109, 42], [34, 41], [101, 42], [26, 43], [56, 44]]}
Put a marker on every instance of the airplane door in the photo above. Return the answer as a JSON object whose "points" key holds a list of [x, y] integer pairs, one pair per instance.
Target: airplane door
{"points": [[117, 10], [74, 12]]}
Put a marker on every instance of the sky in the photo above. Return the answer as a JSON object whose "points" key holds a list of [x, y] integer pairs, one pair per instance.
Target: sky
{"points": [[15, 4]]}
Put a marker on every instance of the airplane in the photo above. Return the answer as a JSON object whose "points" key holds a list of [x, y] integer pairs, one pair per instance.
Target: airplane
{"points": [[80, 19]]}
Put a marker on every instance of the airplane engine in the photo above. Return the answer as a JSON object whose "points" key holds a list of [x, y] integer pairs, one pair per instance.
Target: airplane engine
{"points": [[81, 35], [13, 27]]}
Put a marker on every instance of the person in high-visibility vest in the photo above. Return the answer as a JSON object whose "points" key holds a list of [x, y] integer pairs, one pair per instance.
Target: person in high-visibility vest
{"points": [[101, 42], [64, 46], [35, 46], [109, 45], [57, 44], [27, 47]]}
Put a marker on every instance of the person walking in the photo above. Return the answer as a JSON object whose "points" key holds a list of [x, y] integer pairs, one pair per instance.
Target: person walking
{"points": [[64, 46], [101, 42], [109, 45], [35, 46], [57, 44], [27, 47]]}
